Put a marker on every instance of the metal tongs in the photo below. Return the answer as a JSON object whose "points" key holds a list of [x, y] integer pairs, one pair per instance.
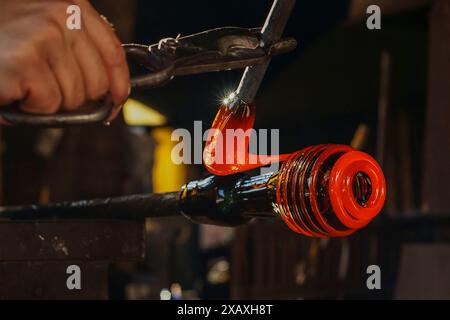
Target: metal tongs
{"points": [[208, 51], [212, 50]]}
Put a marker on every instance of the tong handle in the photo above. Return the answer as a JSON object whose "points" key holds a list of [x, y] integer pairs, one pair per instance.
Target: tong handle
{"points": [[91, 112]]}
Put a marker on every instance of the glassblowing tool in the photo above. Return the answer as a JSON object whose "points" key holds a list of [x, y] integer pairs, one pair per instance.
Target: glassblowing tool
{"points": [[238, 110]]}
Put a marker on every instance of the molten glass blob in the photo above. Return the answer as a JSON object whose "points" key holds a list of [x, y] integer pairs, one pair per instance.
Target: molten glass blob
{"points": [[329, 191], [227, 147]]}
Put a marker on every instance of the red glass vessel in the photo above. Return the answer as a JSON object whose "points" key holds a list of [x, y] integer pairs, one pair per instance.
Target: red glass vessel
{"points": [[320, 191]]}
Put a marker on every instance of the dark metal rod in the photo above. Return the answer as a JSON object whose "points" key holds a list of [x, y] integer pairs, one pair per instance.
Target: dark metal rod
{"points": [[228, 200], [126, 207], [271, 32]]}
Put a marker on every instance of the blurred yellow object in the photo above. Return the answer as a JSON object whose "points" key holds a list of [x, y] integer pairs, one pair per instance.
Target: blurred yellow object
{"points": [[44, 195], [167, 176], [138, 114]]}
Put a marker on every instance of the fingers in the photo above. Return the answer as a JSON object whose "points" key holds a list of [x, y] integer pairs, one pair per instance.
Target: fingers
{"points": [[92, 70], [10, 89], [28, 80], [78, 66], [111, 52], [68, 72], [42, 92]]}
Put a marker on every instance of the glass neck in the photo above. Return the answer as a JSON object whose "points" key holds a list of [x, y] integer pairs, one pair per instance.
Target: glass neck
{"points": [[229, 200]]}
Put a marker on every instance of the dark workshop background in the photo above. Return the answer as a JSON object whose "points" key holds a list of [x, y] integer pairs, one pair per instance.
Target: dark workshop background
{"points": [[386, 92]]}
